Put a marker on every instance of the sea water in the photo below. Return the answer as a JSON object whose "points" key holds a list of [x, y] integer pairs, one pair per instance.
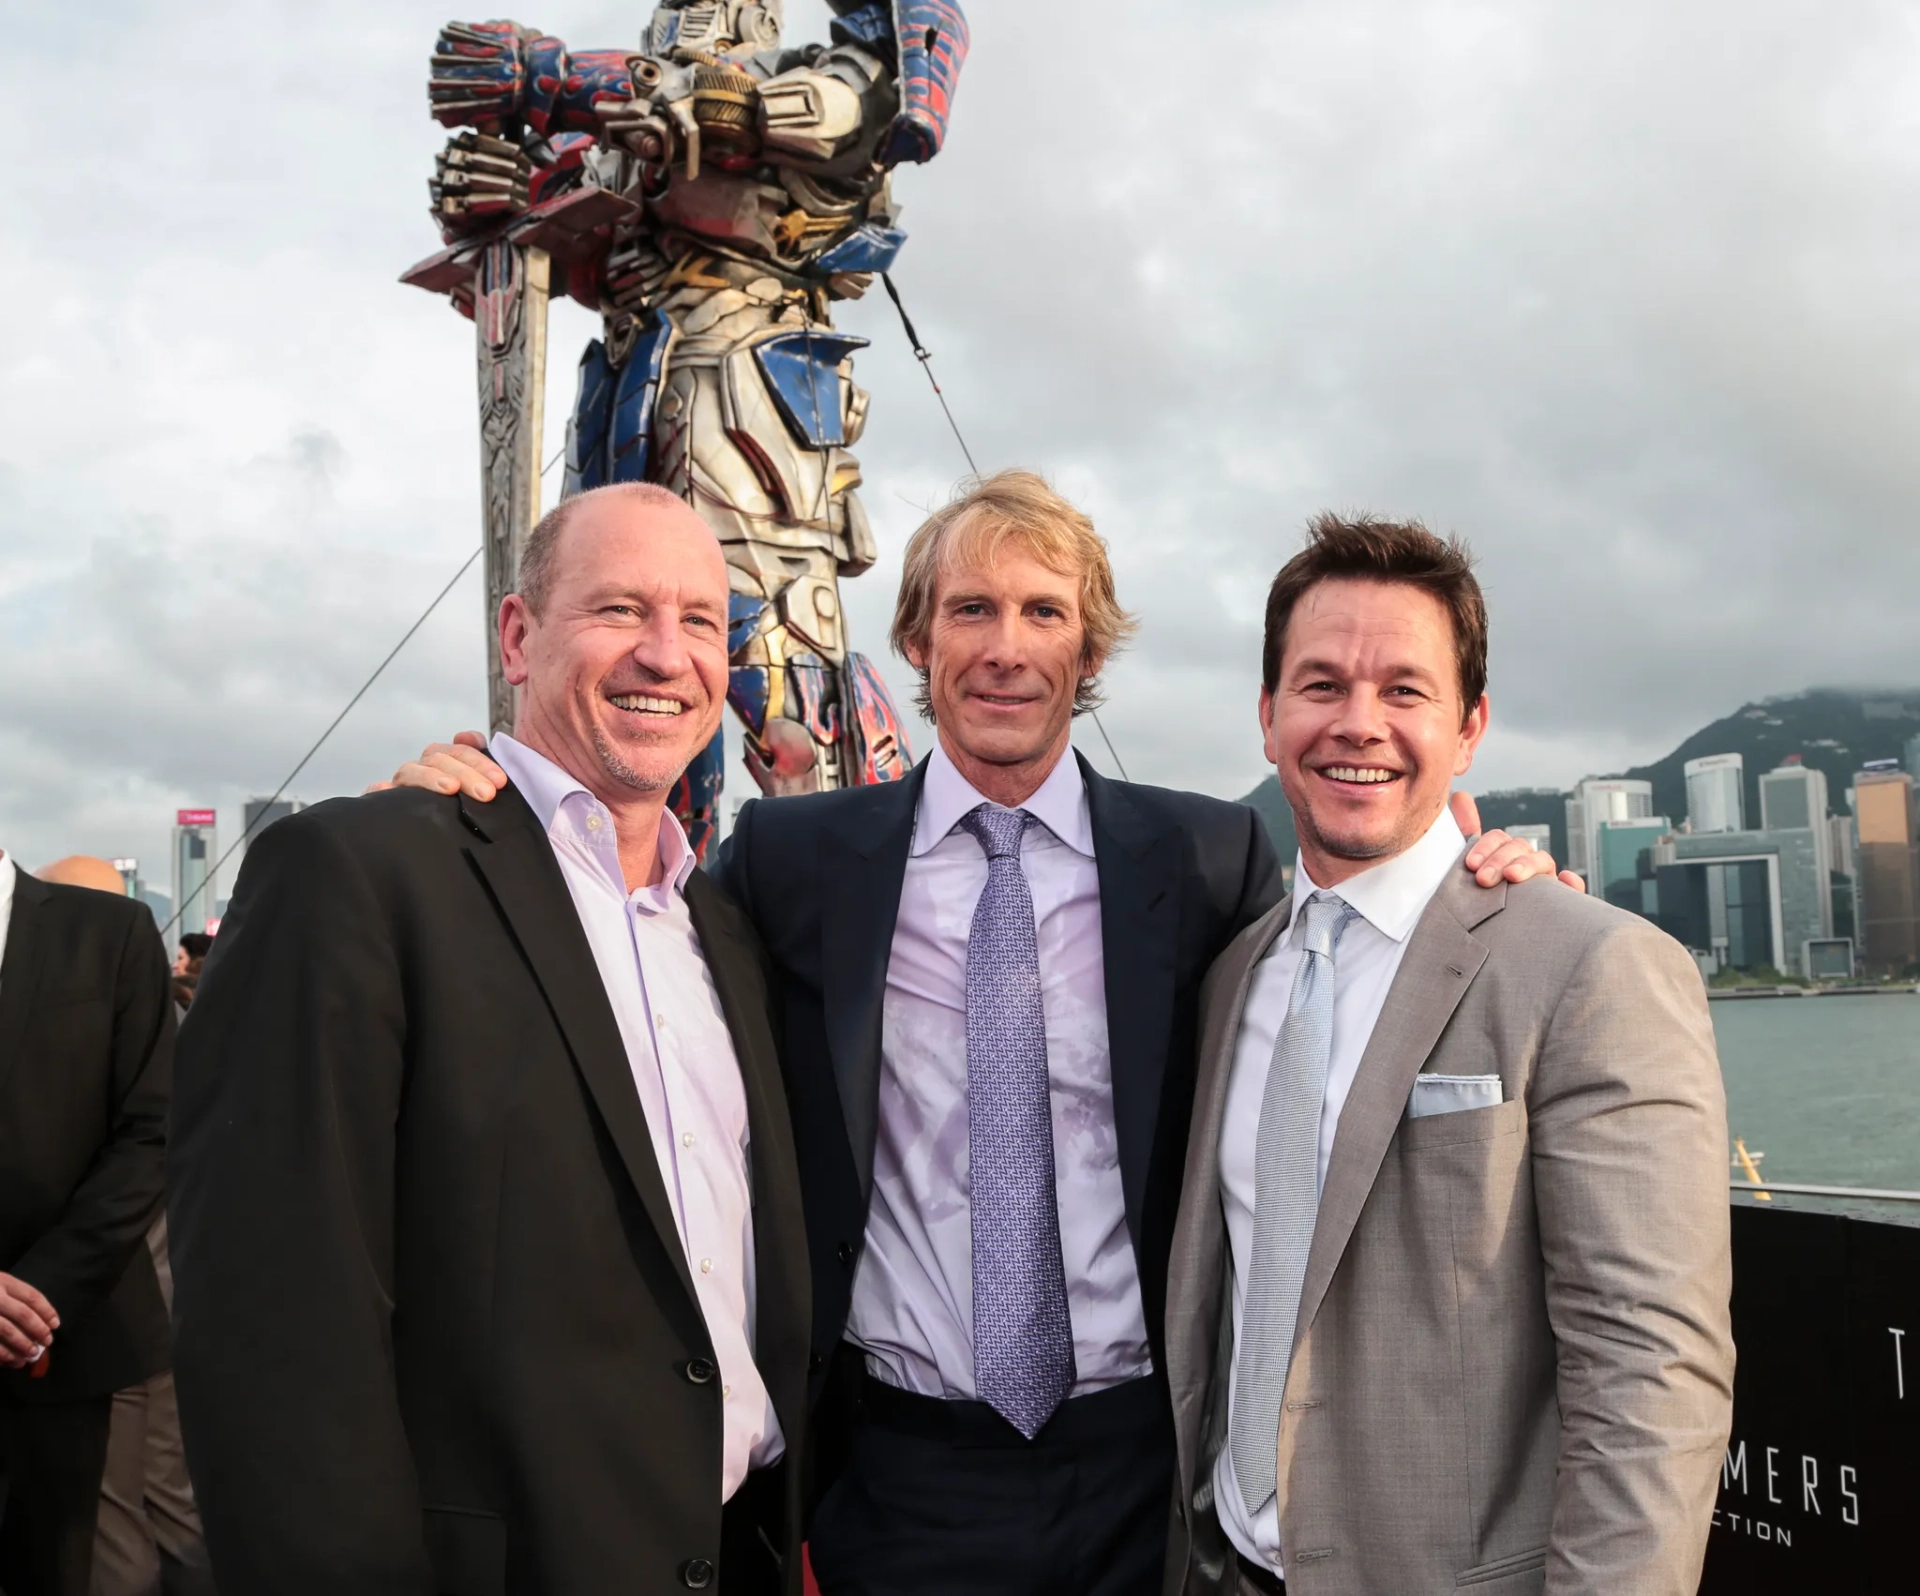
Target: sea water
{"points": [[1829, 1089]]}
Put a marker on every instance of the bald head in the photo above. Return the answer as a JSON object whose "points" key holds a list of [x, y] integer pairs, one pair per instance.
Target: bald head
{"points": [[622, 502], [81, 870]]}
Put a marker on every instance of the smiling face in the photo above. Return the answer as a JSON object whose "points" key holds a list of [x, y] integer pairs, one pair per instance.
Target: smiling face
{"points": [[1004, 655], [625, 668], [1366, 726]]}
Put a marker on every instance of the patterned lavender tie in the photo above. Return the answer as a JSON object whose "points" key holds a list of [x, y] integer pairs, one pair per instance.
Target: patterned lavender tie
{"points": [[1022, 1334]]}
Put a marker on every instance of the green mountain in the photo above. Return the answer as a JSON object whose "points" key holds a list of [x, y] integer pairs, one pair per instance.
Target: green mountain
{"points": [[1834, 730]]}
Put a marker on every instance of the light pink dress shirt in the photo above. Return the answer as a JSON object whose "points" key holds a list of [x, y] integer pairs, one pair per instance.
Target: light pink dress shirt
{"points": [[684, 1067], [913, 1296]]}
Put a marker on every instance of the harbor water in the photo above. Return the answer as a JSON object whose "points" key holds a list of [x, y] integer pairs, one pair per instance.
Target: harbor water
{"points": [[1829, 1089]]}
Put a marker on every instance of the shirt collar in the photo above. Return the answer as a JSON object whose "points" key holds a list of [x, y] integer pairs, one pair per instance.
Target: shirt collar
{"points": [[6, 878], [1392, 895], [1059, 804], [562, 804]]}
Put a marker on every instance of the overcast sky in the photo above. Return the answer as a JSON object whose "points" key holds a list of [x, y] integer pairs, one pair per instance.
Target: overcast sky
{"points": [[1628, 295]]}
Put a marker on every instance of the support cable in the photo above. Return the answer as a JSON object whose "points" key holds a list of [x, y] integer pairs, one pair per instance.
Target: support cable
{"points": [[213, 873], [922, 354]]}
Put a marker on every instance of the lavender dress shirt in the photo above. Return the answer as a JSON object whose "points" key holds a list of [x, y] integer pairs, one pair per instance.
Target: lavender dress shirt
{"points": [[684, 1067], [913, 1295]]}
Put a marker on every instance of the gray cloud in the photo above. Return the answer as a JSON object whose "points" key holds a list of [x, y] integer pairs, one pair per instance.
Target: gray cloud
{"points": [[1623, 295]]}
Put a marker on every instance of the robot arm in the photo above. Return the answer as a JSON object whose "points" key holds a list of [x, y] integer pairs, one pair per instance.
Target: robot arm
{"points": [[831, 111], [489, 73]]}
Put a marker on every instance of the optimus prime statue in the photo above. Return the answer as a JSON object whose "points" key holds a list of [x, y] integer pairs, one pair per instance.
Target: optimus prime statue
{"points": [[711, 194]]}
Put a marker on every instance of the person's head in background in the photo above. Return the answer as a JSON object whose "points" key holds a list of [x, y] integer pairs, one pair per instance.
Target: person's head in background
{"points": [[1007, 610], [194, 948], [82, 870]]}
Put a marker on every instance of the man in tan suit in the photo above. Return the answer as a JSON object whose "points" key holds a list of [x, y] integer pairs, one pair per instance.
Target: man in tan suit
{"points": [[1448, 1305]]}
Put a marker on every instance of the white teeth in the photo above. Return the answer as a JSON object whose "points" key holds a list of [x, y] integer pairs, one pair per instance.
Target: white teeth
{"points": [[640, 703], [1370, 777]]}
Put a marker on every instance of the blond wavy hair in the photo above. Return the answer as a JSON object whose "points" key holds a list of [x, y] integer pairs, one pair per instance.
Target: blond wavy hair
{"points": [[986, 514]]}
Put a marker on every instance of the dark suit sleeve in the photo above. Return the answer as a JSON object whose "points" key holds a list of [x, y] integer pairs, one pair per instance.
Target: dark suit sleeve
{"points": [[282, 1224], [81, 1259], [729, 869], [1260, 884]]}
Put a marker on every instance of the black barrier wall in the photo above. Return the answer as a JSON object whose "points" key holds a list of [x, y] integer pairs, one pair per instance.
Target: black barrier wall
{"points": [[1820, 1491]]}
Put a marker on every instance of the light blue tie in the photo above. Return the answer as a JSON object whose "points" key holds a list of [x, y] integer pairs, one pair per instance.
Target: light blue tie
{"points": [[1286, 1201]]}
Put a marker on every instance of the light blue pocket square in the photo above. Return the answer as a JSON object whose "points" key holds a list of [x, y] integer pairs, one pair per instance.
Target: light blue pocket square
{"points": [[1452, 1094]]}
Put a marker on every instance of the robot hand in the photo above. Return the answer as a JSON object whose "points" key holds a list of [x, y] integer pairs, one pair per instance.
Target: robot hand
{"points": [[478, 73], [478, 179]]}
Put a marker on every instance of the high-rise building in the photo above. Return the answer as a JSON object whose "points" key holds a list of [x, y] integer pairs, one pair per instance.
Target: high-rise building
{"points": [[1596, 800], [263, 812], [1793, 797], [1624, 863], [130, 876], [1887, 890], [1716, 793], [195, 853], [1840, 845], [1748, 898]]}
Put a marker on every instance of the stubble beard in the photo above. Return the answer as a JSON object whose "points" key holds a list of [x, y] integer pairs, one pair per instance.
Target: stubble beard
{"points": [[621, 770]]}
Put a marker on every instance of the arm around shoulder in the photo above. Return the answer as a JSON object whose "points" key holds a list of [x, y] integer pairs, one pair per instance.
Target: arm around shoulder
{"points": [[281, 1217], [1627, 1118]]}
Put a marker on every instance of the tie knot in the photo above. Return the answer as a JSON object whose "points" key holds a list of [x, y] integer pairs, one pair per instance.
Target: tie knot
{"points": [[999, 830], [1326, 917]]}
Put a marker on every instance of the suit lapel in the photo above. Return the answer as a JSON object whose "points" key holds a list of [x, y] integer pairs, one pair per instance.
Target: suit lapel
{"points": [[781, 1315], [1139, 932], [514, 857], [1442, 958], [1199, 1243], [863, 869], [20, 968]]}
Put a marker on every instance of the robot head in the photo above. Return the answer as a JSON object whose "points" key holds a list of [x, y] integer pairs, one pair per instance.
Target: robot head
{"points": [[713, 27]]}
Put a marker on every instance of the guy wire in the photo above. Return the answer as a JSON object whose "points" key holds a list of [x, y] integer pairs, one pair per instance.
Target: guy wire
{"points": [[925, 357], [308, 755]]}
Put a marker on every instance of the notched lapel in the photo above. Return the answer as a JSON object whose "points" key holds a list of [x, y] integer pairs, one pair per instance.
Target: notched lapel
{"points": [[862, 870], [1441, 962], [1139, 940], [517, 863]]}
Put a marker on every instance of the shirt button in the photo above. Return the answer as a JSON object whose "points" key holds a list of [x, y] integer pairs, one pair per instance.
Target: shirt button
{"points": [[706, 1266], [593, 822], [726, 1393], [686, 1138]]}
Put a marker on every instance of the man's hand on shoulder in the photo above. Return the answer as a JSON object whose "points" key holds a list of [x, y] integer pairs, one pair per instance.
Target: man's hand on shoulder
{"points": [[1496, 856], [460, 766]]}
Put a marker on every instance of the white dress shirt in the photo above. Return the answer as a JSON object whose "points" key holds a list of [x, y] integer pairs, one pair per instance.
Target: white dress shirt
{"points": [[1390, 899], [684, 1066], [912, 1305]]}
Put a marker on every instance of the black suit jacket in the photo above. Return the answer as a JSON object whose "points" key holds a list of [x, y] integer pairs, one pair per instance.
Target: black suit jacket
{"points": [[820, 876], [435, 1329], [86, 1062]]}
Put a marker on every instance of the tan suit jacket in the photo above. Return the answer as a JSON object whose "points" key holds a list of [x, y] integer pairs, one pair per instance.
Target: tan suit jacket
{"points": [[1513, 1369]]}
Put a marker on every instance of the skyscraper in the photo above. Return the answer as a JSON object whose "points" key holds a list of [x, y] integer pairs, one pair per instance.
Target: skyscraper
{"points": [[1596, 800], [1623, 871], [1888, 879], [1793, 797], [1716, 793], [194, 853], [263, 812]]}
